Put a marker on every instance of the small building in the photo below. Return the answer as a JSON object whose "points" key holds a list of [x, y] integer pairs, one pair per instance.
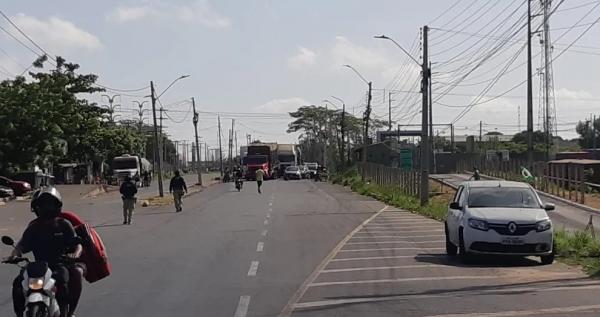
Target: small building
{"points": [[569, 168]]}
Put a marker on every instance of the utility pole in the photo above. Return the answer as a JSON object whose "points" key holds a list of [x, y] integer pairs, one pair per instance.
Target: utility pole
{"points": [[529, 91], [343, 128], [156, 147], [199, 162], [546, 4], [220, 147], [481, 136], [390, 111], [424, 192], [366, 132], [231, 145], [431, 135], [176, 154], [236, 145], [594, 132]]}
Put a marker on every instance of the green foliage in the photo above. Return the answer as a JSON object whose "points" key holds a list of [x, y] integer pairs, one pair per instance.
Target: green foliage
{"points": [[588, 132], [42, 115], [579, 247], [391, 195]]}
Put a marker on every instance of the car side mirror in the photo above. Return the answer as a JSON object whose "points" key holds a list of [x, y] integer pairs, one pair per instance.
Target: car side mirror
{"points": [[549, 207], [455, 205], [8, 240]]}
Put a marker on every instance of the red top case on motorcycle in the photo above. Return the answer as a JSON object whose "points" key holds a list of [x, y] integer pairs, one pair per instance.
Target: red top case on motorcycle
{"points": [[94, 254]]}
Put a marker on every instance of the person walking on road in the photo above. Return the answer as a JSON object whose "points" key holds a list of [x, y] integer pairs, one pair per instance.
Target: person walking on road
{"points": [[128, 191], [260, 176], [178, 188]]}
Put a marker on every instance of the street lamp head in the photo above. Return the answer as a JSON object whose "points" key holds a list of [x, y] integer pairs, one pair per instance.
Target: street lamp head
{"points": [[382, 37], [184, 76]]}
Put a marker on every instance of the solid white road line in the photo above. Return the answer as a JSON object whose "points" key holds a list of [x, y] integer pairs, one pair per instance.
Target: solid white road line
{"points": [[253, 268], [383, 257], [289, 307], [529, 312], [412, 222], [264, 233], [375, 268], [400, 280], [389, 249], [260, 247], [371, 236], [403, 227], [242, 307], [504, 292], [397, 241]]}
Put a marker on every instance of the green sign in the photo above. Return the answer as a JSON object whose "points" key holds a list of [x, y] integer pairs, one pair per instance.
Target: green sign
{"points": [[406, 159]]}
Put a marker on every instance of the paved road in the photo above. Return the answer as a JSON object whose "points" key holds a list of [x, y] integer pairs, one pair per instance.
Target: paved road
{"points": [[565, 216], [300, 247]]}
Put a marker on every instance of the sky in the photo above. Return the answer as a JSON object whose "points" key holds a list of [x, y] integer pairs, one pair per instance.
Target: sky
{"points": [[257, 60]]}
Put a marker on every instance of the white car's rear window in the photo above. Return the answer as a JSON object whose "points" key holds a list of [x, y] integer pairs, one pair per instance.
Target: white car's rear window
{"points": [[508, 197]]}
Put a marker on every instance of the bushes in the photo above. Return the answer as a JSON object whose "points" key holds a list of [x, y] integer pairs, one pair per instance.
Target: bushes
{"points": [[579, 247]]}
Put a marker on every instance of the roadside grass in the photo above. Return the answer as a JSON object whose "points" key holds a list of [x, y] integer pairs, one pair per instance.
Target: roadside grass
{"points": [[574, 248]]}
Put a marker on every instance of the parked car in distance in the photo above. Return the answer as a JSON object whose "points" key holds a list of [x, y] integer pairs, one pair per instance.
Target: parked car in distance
{"points": [[292, 172], [19, 188], [499, 217], [6, 192]]}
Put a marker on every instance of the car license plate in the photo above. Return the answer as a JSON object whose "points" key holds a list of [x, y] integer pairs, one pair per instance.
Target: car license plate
{"points": [[512, 241]]}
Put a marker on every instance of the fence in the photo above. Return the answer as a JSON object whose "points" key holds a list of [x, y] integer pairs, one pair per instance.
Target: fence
{"points": [[407, 181], [562, 180]]}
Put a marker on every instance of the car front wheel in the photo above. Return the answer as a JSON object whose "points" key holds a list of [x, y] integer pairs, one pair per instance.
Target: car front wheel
{"points": [[451, 249], [548, 259], [465, 256]]}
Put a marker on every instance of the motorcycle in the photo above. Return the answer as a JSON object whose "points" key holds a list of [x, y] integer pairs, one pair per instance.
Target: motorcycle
{"points": [[38, 285], [238, 184]]}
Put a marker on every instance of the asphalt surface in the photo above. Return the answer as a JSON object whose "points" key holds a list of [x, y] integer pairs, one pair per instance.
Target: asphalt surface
{"points": [[302, 249], [565, 216]]}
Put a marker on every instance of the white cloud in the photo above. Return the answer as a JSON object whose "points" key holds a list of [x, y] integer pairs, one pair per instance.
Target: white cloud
{"points": [[372, 59], [282, 105], [305, 57], [197, 12], [56, 35], [566, 93]]}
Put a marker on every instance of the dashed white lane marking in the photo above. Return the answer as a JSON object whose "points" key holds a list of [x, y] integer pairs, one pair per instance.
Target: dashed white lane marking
{"points": [[270, 203], [397, 241], [401, 280], [242, 307], [253, 268], [382, 257], [264, 233], [268, 216], [530, 312], [370, 236], [266, 222], [260, 247], [376, 268], [509, 291], [390, 249], [270, 209]]}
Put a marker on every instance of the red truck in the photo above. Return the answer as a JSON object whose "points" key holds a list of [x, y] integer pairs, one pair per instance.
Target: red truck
{"points": [[260, 156]]}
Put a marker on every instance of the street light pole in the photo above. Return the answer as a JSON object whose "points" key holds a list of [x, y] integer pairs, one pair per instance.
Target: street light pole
{"points": [[198, 166], [343, 128], [156, 150]]}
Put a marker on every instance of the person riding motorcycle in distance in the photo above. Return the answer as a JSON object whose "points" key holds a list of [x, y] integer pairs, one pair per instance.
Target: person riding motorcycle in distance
{"points": [[52, 239]]}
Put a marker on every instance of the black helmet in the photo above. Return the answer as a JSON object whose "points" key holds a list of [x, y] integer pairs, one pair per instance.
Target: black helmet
{"points": [[46, 202], [127, 178], [177, 173]]}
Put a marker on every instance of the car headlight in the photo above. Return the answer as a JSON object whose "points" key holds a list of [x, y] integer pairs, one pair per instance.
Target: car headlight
{"points": [[478, 224], [543, 225], [36, 283]]}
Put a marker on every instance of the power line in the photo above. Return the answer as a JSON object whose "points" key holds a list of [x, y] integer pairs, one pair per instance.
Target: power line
{"points": [[445, 12], [25, 35]]}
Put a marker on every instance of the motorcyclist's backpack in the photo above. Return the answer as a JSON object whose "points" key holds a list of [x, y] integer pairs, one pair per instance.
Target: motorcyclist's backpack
{"points": [[94, 253]]}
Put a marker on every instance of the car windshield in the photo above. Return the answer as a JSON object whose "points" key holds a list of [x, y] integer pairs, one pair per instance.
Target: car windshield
{"points": [[509, 197], [312, 167], [287, 158], [120, 164], [292, 168]]}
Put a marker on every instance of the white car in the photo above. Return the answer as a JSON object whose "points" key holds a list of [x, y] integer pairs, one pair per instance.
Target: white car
{"points": [[499, 217]]}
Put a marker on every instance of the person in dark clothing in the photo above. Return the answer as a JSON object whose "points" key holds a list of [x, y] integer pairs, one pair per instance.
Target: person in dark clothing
{"points": [[178, 188], [51, 239], [128, 191]]}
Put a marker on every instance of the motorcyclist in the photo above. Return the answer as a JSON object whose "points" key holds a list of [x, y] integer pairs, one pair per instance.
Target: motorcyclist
{"points": [[52, 239], [237, 175], [476, 175]]}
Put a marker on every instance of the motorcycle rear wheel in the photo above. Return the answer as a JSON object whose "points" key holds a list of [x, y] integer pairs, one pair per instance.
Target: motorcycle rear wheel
{"points": [[36, 310]]}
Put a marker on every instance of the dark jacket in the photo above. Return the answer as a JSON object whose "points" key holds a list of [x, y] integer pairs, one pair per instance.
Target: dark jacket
{"points": [[177, 183], [128, 190]]}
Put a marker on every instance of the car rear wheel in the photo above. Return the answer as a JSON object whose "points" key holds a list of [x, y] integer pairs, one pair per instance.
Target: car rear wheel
{"points": [[451, 249]]}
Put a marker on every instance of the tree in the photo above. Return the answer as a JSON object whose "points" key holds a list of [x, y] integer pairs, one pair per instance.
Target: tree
{"points": [[539, 137], [588, 133]]}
